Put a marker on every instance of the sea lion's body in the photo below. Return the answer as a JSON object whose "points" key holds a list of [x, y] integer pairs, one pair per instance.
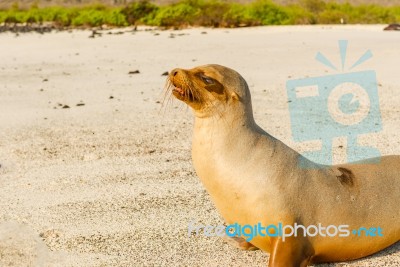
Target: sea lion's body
{"points": [[254, 178]]}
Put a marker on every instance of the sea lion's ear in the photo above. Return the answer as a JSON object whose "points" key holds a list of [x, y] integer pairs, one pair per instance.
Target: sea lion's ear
{"points": [[235, 96]]}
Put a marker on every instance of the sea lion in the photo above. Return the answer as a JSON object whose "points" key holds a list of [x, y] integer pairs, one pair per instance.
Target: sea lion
{"points": [[254, 178]]}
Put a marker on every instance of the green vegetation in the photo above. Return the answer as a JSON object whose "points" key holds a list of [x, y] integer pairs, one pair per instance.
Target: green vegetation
{"points": [[211, 13], [89, 16]]}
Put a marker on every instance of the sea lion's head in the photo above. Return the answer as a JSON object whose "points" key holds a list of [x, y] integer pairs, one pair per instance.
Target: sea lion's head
{"points": [[210, 89]]}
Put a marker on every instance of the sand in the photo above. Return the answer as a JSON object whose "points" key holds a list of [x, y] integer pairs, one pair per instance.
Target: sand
{"points": [[110, 182]]}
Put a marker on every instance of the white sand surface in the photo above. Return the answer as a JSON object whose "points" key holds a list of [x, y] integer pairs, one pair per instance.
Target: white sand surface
{"points": [[111, 183]]}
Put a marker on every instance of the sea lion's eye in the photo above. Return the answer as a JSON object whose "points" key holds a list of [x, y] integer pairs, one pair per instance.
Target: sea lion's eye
{"points": [[207, 79]]}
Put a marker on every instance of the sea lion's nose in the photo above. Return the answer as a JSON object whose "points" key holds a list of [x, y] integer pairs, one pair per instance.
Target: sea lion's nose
{"points": [[174, 72]]}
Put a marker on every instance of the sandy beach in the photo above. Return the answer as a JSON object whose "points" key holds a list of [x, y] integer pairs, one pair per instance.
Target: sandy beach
{"points": [[95, 167]]}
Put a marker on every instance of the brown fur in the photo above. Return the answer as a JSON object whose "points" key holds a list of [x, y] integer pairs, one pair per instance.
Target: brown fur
{"points": [[254, 178]]}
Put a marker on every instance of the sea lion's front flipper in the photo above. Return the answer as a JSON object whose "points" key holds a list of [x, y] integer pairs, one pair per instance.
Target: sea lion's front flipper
{"points": [[292, 252]]}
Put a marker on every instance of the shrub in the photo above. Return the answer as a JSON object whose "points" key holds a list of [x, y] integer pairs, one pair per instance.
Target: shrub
{"points": [[88, 17], [211, 13], [299, 15], [180, 14], [60, 16], [238, 15], [137, 11], [265, 12], [116, 18], [314, 6], [332, 17]]}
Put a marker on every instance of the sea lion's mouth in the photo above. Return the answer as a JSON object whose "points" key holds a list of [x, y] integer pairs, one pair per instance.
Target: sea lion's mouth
{"points": [[178, 91], [181, 87], [184, 95]]}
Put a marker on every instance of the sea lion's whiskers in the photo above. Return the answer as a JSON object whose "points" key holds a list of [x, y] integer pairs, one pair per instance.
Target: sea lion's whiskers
{"points": [[193, 93], [167, 89], [167, 96]]}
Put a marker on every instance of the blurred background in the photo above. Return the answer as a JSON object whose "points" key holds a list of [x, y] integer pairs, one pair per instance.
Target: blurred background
{"points": [[8, 3], [188, 13]]}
